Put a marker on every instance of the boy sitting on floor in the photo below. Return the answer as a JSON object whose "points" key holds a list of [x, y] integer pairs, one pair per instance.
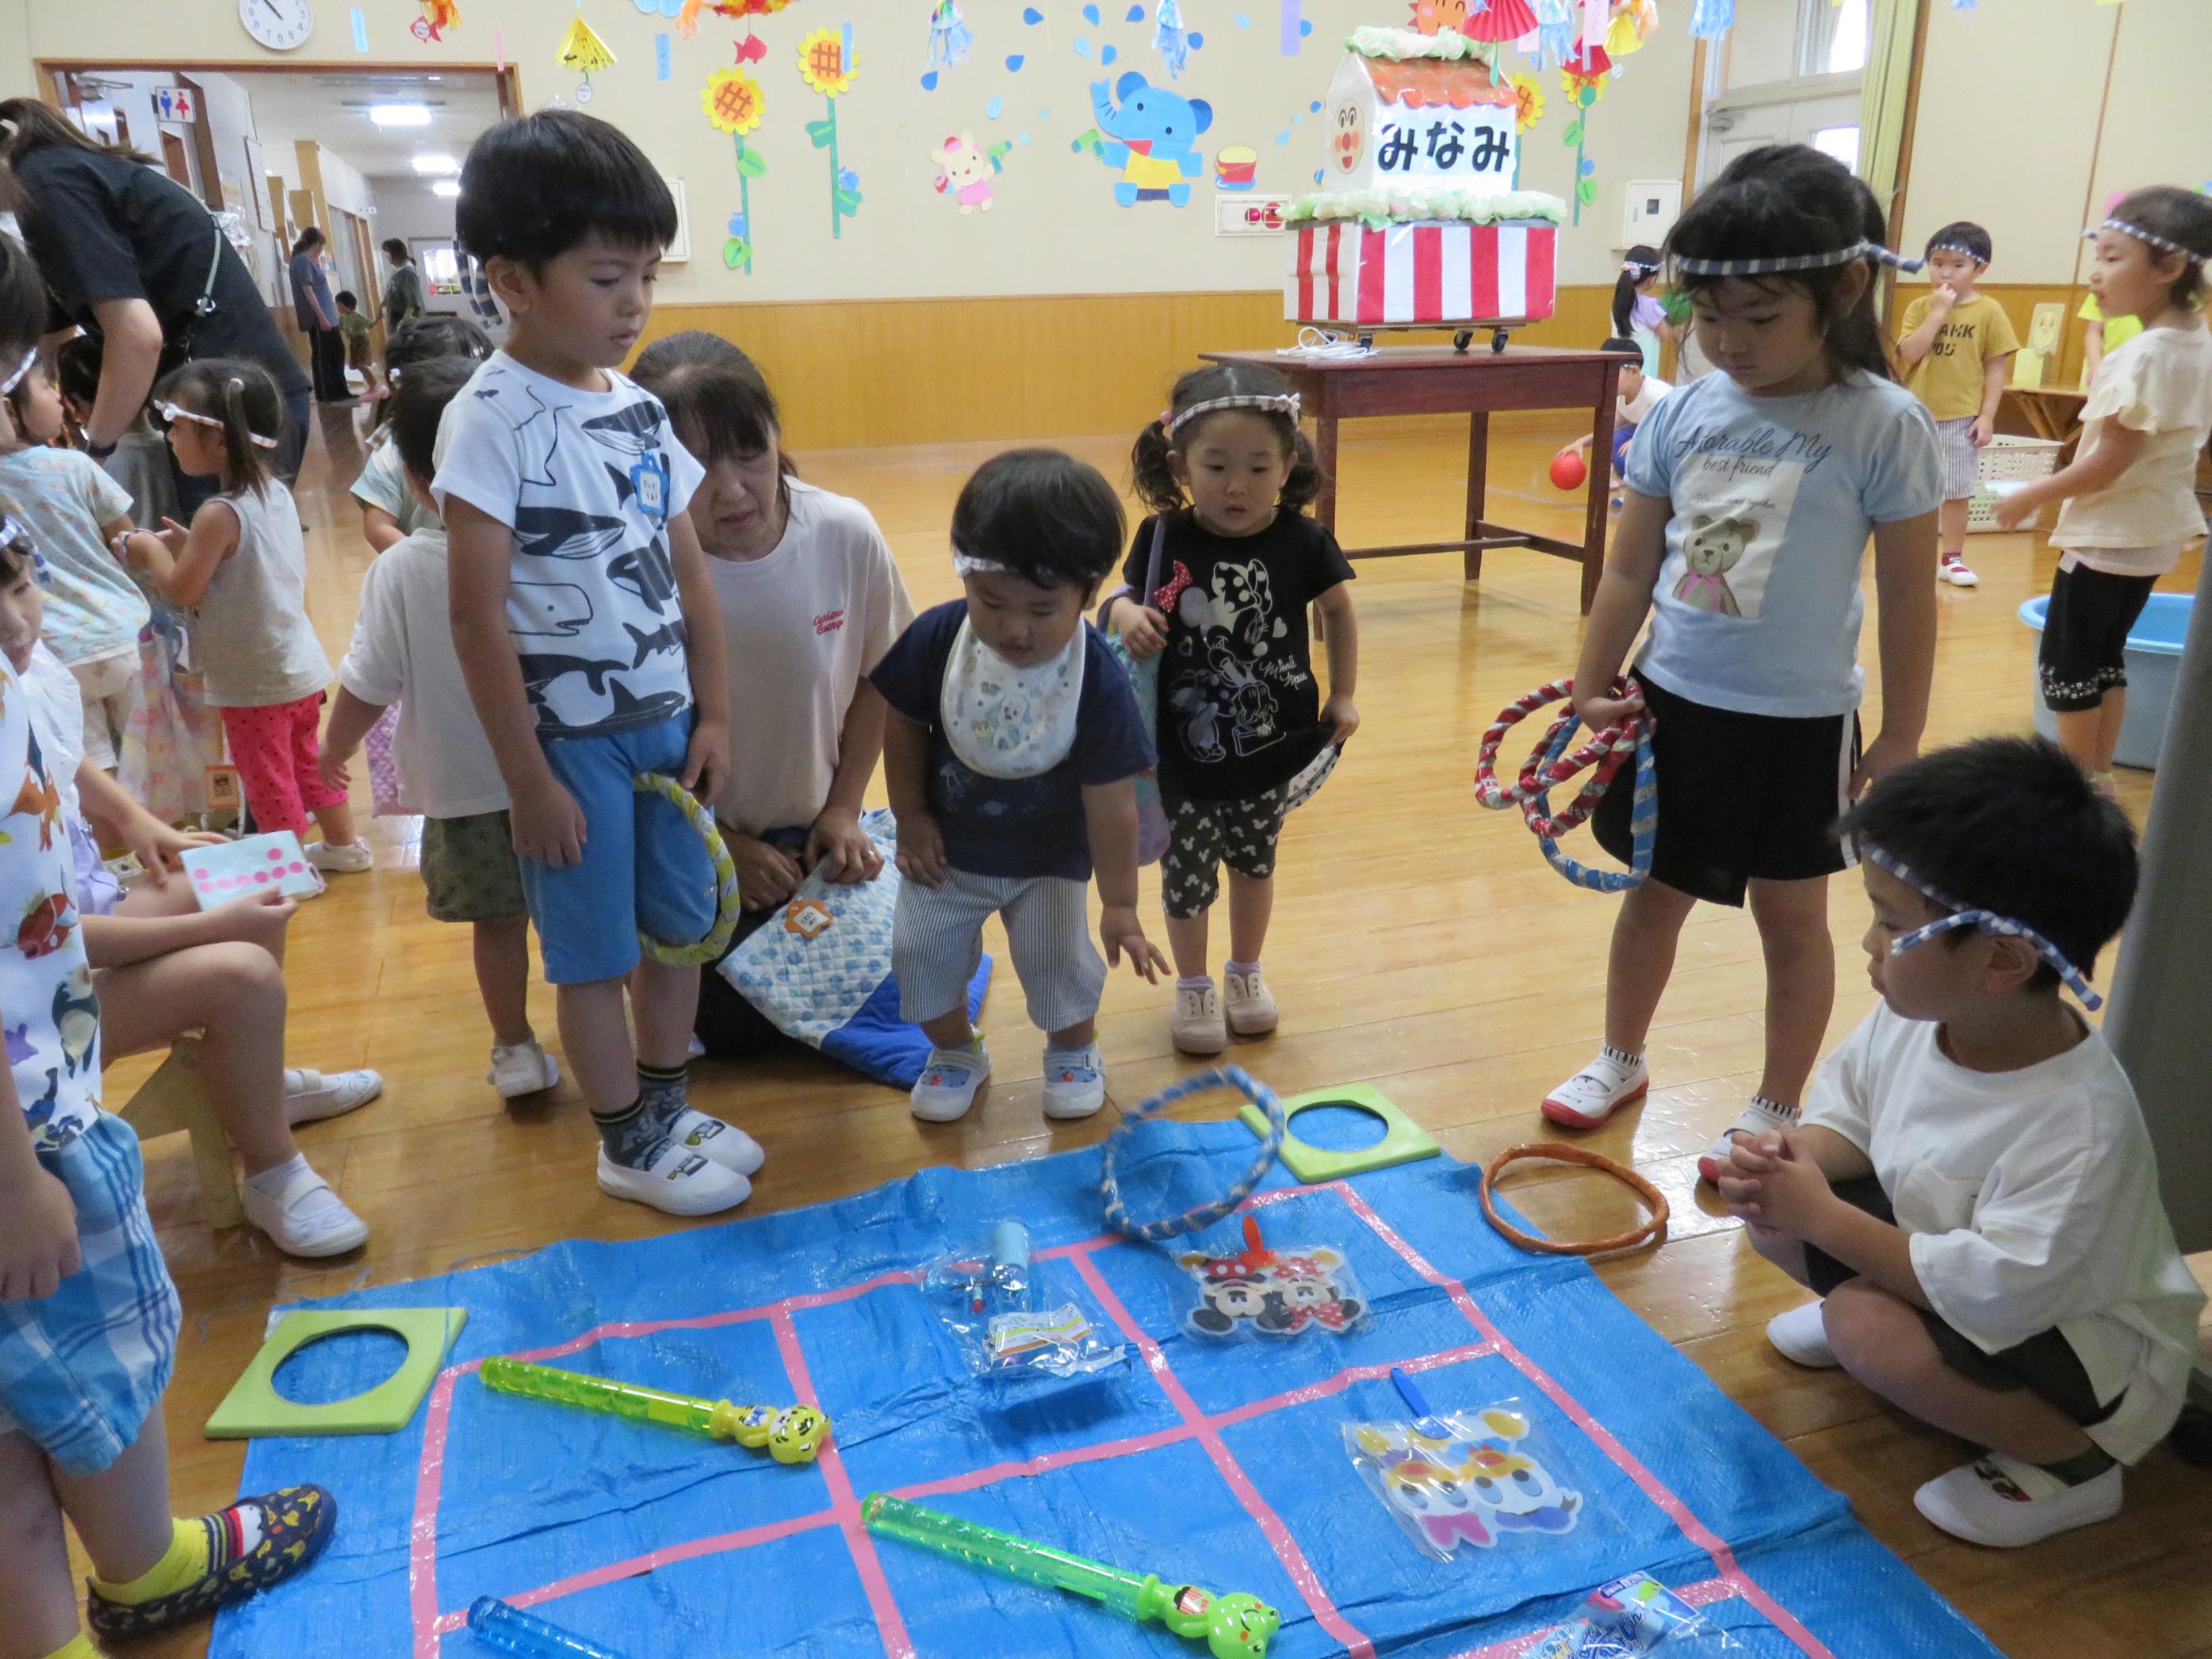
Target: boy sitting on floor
{"points": [[1971, 1190]]}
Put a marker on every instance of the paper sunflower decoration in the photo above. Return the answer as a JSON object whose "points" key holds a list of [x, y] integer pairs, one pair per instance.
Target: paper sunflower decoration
{"points": [[1527, 102], [1584, 73], [828, 63], [733, 102]]}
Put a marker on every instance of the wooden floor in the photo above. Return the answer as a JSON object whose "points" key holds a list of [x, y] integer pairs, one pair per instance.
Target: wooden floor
{"points": [[1420, 945]]}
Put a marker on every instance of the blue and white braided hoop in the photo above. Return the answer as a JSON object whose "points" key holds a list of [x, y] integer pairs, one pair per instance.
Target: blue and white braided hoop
{"points": [[1643, 817], [726, 909], [1222, 1077]]}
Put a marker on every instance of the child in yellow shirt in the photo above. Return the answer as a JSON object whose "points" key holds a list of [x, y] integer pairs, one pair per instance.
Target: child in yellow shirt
{"points": [[1954, 348]]}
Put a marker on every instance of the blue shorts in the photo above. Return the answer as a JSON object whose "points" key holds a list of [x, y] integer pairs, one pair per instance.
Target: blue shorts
{"points": [[1621, 435], [81, 1370], [644, 864]]}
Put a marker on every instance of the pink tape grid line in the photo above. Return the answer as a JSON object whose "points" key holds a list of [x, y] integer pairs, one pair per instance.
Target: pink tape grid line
{"points": [[1203, 1428]]}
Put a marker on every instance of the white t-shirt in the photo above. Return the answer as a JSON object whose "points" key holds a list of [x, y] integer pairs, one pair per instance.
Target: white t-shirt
{"points": [[2159, 383], [57, 721], [805, 621], [1758, 604], [1631, 411], [402, 652], [2031, 1197], [383, 483], [587, 481]]}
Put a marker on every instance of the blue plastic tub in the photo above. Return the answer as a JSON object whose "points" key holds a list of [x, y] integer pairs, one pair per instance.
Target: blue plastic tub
{"points": [[2153, 658]]}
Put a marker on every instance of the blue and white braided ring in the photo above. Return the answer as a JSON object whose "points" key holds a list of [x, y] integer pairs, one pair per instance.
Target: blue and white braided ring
{"points": [[1643, 817], [726, 909], [1221, 1077]]}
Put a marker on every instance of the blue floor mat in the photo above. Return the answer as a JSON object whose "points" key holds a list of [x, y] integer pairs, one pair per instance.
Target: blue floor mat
{"points": [[1221, 1464]]}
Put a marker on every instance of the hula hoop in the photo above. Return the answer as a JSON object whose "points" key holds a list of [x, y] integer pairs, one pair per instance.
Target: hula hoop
{"points": [[1653, 1231], [1203, 1215], [1550, 764], [726, 909]]}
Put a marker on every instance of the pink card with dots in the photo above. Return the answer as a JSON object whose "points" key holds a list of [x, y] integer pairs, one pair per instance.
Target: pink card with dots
{"points": [[259, 863]]}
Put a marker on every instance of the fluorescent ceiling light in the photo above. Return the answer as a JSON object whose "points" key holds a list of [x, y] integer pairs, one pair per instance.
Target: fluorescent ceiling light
{"points": [[400, 115], [445, 187], [435, 162]]}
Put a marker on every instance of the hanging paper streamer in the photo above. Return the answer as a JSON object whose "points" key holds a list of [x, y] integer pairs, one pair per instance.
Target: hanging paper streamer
{"points": [[1169, 38], [1712, 18], [438, 17], [1556, 28], [1295, 28], [1583, 74], [950, 37], [583, 51], [1596, 14], [360, 30], [664, 60], [733, 103], [827, 64]]}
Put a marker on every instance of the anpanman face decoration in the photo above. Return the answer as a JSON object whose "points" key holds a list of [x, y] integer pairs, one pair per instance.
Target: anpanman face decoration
{"points": [[1349, 141]]}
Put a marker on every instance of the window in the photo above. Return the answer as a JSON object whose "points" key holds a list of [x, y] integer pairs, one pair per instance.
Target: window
{"points": [[1841, 142], [1832, 36]]}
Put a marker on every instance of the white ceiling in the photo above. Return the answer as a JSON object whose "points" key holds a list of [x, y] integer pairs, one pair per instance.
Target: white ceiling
{"points": [[332, 105]]}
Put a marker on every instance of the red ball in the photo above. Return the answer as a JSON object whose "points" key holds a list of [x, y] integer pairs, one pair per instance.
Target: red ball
{"points": [[1569, 470]]}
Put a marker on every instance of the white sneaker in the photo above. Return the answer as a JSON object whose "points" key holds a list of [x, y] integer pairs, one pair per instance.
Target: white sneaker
{"points": [[676, 1181], [1197, 1027], [1955, 570], [311, 1096], [521, 1068], [301, 1215], [1761, 1117], [2006, 1504], [1598, 1091], [347, 860], [1074, 1083], [1248, 1004], [947, 1086], [1802, 1337], [717, 1142]]}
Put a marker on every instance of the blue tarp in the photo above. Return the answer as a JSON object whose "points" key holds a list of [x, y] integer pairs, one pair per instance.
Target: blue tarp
{"points": [[1218, 1464]]}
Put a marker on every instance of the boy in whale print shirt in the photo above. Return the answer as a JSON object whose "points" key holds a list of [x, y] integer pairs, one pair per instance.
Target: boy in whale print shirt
{"points": [[587, 628]]}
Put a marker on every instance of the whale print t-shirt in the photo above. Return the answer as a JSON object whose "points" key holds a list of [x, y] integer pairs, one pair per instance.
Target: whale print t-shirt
{"points": [[588, 482], [1758, 605]]}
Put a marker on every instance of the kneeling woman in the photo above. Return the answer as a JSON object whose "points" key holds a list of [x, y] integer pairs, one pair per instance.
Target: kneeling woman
{"points": [[810, 599]]}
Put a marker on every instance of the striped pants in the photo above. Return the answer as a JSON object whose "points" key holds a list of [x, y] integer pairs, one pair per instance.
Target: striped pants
{"points": [[937, 945]]}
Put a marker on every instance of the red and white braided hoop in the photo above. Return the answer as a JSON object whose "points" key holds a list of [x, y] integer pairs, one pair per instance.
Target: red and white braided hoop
{"points": [[1606, 752]]}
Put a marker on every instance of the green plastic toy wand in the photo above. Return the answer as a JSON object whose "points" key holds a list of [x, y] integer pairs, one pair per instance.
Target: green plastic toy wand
{"points": [[1235, 1626], [790, 1434]]}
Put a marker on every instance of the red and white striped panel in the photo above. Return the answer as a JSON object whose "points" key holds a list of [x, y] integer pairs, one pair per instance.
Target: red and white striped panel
{"points": [[1420, 273]]}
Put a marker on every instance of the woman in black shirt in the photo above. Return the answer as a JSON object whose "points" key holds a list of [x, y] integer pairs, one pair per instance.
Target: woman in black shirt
{"points": [[132, 257]]}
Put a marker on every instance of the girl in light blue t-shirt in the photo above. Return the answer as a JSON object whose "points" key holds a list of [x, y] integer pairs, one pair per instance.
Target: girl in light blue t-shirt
{"points": [[1752, 494]]}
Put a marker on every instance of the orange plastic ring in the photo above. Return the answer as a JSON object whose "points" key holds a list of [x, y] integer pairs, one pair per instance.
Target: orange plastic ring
{"points": [[1653, 1231]]}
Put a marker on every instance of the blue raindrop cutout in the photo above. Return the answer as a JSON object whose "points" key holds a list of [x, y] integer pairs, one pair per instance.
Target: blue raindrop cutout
{"points": [[994, 109], [1014, 61], [929, 81]]}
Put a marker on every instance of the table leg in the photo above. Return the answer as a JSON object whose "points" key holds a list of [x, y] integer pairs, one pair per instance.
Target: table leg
{"points": [[1477, 478], [1325, 459], [1600, 485]]}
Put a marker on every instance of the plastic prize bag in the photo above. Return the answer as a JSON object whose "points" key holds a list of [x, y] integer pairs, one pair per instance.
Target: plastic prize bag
{"points": [[1627, 1618], [1482, 1477], [1008, 1316], [1279, 1291]]}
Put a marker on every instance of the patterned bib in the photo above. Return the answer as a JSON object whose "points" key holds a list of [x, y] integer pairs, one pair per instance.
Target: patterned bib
{"points": [[1009, 722]]}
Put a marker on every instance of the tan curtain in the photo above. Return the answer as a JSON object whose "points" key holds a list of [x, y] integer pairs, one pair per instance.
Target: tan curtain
{"points": [[1883, 99]]}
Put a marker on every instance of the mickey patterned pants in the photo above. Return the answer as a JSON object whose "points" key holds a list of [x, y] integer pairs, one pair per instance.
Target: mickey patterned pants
{"points": [[277, 757], [1205, 834]]}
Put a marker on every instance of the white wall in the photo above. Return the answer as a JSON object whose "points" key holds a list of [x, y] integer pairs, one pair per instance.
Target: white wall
{"points": [[406, 209]]}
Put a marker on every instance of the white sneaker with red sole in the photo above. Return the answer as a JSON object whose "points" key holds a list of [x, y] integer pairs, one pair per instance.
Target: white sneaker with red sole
{"points": [[1602, 1088], [1763, 1116]]}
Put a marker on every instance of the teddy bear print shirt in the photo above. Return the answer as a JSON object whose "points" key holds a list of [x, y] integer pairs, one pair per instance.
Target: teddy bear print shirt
{"points": [[587, 481], [1758, 605], [1239, 708]]}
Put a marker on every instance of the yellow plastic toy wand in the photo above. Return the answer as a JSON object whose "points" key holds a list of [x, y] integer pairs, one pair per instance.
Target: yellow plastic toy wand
{"points": [[792, 1434]]}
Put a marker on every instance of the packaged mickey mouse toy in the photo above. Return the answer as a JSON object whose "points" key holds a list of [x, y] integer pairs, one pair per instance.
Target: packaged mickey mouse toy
{"points": [[1264, 1290]]}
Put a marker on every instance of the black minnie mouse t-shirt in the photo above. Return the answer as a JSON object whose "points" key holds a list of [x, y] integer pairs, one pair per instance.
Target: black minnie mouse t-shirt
{"points": [[1239, 709]]}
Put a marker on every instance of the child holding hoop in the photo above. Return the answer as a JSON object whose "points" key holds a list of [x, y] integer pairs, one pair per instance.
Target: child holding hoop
{"points": [[1227, 472], [1751, 496]]}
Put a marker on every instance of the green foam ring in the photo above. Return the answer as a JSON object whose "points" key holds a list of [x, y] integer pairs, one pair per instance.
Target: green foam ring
{"points": [[253, 1409], [1403, 1141]]}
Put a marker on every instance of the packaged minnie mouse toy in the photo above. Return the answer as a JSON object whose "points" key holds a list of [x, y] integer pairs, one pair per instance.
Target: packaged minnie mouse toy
{"points": [[1272, 1291]]}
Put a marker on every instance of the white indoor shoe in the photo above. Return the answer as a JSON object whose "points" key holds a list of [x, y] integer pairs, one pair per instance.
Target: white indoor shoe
{"points": [[1802, 1337], [347, 860], [1197, 1028], [300, 1213], [1074, 1083], [949, 1077], [2006, 1504], [310, 1096], [521, 1068], [1248, 1004], [676, 1181]]}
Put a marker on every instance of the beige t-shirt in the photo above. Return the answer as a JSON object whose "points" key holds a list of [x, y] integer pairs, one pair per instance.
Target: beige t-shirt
{"points": [[803, 622], [1951, 379], [2159, 384]]}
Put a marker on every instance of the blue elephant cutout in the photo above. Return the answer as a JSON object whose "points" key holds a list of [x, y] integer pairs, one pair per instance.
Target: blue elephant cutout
{"points": [[1150, 135]]}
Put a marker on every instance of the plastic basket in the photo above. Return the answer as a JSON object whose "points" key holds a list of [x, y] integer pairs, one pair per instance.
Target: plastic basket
{"points": [[2009, 458]]}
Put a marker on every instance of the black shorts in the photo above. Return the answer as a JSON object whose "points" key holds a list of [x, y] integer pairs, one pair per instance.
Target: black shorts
{"points": [[1741, 797], [2083, 654], [1205, 834], [2046, 1364]]}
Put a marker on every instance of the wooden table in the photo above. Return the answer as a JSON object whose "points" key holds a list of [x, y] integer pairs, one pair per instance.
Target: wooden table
{"points": [[2050, 411], [1438, 381]]}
